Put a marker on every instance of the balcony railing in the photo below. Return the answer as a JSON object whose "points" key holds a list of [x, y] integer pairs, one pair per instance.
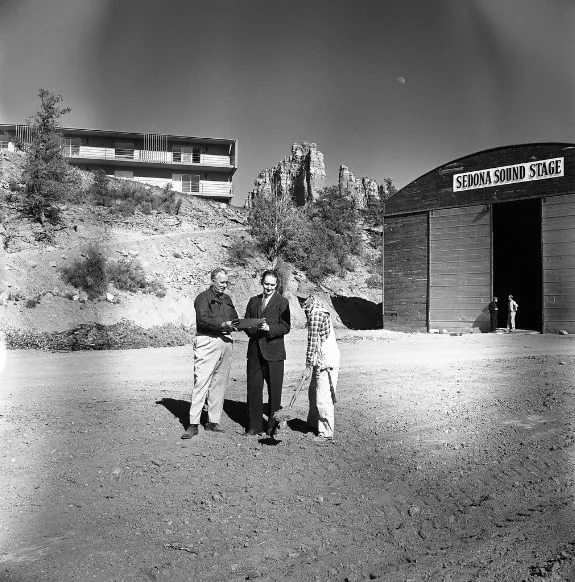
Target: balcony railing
{"points": [[205, 188], [147, 156]]}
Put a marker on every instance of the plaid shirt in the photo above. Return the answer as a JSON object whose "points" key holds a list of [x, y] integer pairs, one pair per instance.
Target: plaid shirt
{"points": [[317, 330]]}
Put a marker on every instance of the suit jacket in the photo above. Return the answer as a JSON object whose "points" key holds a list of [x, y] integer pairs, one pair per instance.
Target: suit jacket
{"points": [[277, 316]]}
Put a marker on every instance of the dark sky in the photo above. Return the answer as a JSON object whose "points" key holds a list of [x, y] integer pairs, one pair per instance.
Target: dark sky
{"points": [[479, 74]]}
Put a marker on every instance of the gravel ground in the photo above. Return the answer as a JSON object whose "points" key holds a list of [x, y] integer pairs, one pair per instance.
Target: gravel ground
{"points": [[453, 461]]}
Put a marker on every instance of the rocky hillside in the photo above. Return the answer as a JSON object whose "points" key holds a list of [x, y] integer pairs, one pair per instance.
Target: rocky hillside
{"points": [[177, 250]]}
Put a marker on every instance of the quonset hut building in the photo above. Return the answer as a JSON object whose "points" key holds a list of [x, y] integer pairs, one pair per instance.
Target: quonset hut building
{"points": [[498, 222]]}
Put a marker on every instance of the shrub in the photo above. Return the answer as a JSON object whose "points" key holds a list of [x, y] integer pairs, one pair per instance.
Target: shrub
{"points": [[88, 273], [126, 275], [157, 287], [125, 197], [100, 189], [274, 221], [330, 237], [374, 281], [31, 302], [374, 264], [13, 185], [241, 251], [145, 207]]}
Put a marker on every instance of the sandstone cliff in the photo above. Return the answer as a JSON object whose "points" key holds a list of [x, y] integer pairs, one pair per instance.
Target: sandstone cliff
{"points": [[362, 190], [301, 175]]}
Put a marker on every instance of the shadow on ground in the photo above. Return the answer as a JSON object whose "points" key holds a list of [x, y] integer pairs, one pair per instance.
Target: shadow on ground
{"points": [[179, 408], [237, 411], [357, 313]]}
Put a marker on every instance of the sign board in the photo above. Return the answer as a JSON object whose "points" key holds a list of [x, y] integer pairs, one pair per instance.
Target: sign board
{"points": [[528, 172]]}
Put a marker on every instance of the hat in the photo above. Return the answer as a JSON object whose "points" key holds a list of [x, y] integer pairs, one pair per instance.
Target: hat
{"points": [[304, 289]]}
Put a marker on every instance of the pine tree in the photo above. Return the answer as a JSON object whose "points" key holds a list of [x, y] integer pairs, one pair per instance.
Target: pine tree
{"points": [[46, 174]]}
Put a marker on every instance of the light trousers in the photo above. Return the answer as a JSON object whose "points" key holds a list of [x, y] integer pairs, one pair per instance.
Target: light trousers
{"points": [[321, 415], [212, 365], [511, 320]]}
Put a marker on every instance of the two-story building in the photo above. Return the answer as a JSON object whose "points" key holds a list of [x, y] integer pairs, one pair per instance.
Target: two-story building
{"points": [[199, 166]]}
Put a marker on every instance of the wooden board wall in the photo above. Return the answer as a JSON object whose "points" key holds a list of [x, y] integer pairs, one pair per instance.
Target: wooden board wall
{"points": [[558, 237], [406, 273], [460, 268]]}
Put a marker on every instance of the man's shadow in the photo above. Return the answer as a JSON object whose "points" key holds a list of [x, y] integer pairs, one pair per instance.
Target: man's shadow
{"points": [[237, 411], [299, 425]]}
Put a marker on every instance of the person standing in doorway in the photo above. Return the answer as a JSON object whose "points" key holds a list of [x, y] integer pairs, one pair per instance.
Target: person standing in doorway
{"points": [[494, 313], [322, 363], [212, 353], [511, 312], [266, 352]]}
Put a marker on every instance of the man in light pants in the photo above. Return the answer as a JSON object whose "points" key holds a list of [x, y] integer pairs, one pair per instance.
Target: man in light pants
{"points": [[511, 313], [212, 353], [322, 363]]}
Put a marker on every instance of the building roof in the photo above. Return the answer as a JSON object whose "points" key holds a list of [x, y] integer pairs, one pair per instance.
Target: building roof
{"points": [[134, 134]]}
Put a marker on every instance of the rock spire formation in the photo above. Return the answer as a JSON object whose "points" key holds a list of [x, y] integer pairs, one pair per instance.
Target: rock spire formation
{"points": [[302, 176], [362, 190]]}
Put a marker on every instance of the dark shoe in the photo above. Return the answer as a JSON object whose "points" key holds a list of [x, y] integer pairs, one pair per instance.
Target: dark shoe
{"points": [[214, 427], [272, 427], [191, 431], [252, 432]]}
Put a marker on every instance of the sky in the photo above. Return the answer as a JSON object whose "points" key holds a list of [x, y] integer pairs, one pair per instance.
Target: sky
{"points": [[390, 88]]}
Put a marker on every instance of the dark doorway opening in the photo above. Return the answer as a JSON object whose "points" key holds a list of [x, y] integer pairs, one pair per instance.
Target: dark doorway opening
{"points": [[517, 261]]}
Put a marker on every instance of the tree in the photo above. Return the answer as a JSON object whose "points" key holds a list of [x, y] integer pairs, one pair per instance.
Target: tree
{"points": [[274, 222], [46, 174], [375, 210], [333, 235]]}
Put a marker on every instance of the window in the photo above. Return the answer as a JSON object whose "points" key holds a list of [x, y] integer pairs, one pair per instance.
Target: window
{"points": [[124, 149], [190, 183], [187, 154], [72, 146], [4, 139]]}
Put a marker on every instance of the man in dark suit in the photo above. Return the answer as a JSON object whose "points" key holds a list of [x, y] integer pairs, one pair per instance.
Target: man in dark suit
{"points": [[266, 352]]}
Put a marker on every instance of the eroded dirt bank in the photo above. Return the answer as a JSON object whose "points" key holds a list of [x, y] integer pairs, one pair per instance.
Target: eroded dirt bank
{"points": [[454, 460]]}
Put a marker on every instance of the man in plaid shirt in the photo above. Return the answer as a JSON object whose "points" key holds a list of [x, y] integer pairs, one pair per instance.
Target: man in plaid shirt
{"points": [[322, 363]]}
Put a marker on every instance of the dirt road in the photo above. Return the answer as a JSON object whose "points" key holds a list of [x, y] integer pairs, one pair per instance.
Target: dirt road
{"points": [[454, 460]]}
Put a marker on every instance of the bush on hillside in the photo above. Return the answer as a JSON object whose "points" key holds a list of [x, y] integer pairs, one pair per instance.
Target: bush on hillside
{"points": [[274, 221], [100, 188], [88, 273], [126, 275], [322, 237], [126, 198], [241, 250], [94, 272], [330, 236], [374, 281]]}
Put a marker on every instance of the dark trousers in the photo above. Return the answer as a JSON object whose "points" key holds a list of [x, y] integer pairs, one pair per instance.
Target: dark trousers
{"points": [[260, 370], [493, 319]]}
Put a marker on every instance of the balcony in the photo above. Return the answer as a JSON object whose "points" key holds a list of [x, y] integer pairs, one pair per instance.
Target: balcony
{"points": [[205, 188], [147, 156]]}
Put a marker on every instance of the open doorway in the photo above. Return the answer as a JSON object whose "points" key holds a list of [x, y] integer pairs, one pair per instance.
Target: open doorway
{"points": [[517, 261]]}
